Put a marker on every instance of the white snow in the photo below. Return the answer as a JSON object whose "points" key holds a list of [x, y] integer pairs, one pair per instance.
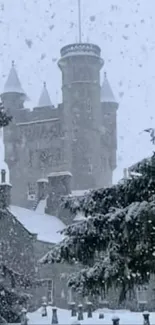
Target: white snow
{"points": [[41, 207], [60, 174], [42, 180], [79, 217], [80, 192], [38, 121], [13, 83], [45, 226], [126, 317]]}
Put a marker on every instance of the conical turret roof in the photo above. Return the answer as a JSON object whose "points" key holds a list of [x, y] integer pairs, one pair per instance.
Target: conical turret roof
{"points": [[44, 100], [107, 95], [13, 84]]}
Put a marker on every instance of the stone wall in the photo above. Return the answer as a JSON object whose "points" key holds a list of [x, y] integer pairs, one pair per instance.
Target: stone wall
{"points": [[16, 245]]}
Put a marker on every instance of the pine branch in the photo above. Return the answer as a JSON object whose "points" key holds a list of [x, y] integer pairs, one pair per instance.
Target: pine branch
{"points": [[4, 118]]}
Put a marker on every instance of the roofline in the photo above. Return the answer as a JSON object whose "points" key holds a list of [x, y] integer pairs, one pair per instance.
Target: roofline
{"points": [[11, 214], [38, 121]]}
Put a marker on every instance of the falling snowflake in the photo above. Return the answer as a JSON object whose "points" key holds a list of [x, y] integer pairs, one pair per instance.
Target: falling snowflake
{"points": [[121, 94], [125, 37], [53, 16], [28, 43], [43, 56], [51, 27], [92, 18]]}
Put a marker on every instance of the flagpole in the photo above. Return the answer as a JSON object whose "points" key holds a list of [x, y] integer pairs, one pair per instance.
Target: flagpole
{"points": [[79, 21]]}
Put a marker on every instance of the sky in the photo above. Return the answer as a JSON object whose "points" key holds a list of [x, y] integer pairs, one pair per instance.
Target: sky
{"points": [[32, 32]]}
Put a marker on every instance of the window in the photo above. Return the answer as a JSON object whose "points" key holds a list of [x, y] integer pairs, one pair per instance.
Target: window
{"points": [[31, 195], [50, 291], [70, 295], [102, 297], [30, 158], [89, 105], [90, 167], [142, 293]]}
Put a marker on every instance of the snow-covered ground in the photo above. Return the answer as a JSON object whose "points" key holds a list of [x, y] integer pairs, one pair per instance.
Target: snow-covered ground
{"points": [[126, 317]]}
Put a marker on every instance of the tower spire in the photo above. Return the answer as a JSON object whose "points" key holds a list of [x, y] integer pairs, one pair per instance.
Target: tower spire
{"points": [[79, 21]]}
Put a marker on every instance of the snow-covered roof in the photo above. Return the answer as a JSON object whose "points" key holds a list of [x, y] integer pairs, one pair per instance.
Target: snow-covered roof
{"points": [[13, 84], [107, 95], [41, 206], [45, 226], [3, 164], [59, 174], [80, 192], [42, 180], [44, 100]]}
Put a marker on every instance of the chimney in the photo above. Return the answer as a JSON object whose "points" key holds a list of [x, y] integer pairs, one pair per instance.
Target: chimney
{"points": [[59, 185], [5, 191], [42, 188]]}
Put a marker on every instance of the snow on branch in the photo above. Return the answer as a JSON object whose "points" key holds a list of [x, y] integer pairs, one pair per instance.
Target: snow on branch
{"points": [[125, 241]]}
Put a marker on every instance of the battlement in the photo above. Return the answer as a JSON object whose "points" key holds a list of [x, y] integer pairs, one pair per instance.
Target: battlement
{"points": [[26, 115], [81, 49]]}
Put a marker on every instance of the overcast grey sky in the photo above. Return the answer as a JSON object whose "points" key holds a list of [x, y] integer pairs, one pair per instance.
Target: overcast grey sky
{"points": [[33, 31]]}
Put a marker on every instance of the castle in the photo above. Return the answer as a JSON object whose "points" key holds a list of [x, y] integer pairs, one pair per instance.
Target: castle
{"points": [[78, 136]]}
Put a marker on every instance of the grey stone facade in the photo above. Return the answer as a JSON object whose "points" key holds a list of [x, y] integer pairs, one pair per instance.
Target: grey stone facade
{"points": [[51, 151], [78, 136]]}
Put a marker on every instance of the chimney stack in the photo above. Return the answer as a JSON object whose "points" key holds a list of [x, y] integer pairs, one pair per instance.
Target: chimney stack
{"points": [[3, 176], [59, 185], [5, 191], [42, 188]]}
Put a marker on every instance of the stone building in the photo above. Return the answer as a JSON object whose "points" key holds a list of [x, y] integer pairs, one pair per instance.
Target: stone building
{"points": [[78, 136], [52, 152], [25, 236]]}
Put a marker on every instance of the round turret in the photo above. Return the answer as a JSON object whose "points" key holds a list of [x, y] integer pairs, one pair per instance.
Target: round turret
{"points": [[80, 65]]}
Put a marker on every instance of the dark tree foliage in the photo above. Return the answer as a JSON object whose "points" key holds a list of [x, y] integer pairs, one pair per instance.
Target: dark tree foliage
{"points": [[116, 241], [4, 118]]}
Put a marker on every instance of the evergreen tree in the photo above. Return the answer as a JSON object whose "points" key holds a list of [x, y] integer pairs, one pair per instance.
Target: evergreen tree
{"points": [[115, 242], [4, 118]]}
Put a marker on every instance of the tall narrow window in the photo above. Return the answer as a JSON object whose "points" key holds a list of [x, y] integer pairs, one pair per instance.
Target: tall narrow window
{"points": [[102, 296], [70, 295], [31, 195], [50, 291], [30, 158]]}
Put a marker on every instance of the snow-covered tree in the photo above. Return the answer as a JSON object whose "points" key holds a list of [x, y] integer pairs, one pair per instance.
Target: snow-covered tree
{"points": [[4, 118], [115, 241]]}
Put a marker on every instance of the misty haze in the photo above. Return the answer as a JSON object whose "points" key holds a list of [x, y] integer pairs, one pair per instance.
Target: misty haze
{"points": [[77, 162]]}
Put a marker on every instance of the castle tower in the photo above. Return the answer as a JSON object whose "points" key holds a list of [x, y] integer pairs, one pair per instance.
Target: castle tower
{"points": [[13, 96], [109, 108], [80, 65]]}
